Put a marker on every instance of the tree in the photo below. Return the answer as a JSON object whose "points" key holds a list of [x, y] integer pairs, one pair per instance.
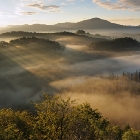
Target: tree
{"points": [[59, 119], [80, 32], [15, 125], [54, 118], [131, 135]]}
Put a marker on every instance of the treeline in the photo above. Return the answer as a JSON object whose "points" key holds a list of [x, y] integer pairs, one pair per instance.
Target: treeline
{"points": [[26, 41], [59, 119], [118, 44], [29, 34], [132, 76], [4, 44], [135, 76], [64, 33], [21, 33]]}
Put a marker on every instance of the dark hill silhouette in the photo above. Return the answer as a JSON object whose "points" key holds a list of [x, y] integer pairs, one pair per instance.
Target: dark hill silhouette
{"points": [[94, 23], [30, 34], [33, 41], [118, 44], [34, 27]]}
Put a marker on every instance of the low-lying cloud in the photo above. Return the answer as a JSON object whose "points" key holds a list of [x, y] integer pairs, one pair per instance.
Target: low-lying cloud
{"points": [[117, 99]]}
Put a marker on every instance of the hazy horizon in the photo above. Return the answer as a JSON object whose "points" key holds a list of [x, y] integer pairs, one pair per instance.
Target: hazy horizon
{"points": [[20, 12], [10, 25]]}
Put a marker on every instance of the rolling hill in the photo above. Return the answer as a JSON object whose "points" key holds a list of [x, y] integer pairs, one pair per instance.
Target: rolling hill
{"points": [[94, 23]]}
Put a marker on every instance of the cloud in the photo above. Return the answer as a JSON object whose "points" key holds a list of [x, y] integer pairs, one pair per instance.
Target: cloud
{"points": [[28, 13], [63, 4], [133, 5], [37, 1], [71, 0], [4, 13], [50, 8]]}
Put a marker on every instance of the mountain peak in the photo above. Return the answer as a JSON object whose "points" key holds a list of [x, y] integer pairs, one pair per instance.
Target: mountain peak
{"points": [[93, 23], [96, 18]]}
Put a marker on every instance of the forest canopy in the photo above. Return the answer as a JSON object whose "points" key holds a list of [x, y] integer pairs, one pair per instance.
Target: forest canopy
{"points": [[33, 41], [80, 32], [59, 119], [30, 34], [118, 44]]}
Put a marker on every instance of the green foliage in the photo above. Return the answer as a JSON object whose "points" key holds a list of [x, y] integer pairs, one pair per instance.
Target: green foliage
{"points": [[118, 44], [59, 119], [131, 135], [15, 125], [54, 118]]}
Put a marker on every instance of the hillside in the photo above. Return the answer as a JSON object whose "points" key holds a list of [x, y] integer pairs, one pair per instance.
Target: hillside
{"points": [[31, 66], [34, 27], [94, 23], [28, 34], [59, 119], [33, 41], [118, 44]]}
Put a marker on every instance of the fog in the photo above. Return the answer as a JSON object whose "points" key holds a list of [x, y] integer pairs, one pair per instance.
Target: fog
{"points": [[117, 99], [134, 33], [7, 39], [26, 72], [121, 108]]}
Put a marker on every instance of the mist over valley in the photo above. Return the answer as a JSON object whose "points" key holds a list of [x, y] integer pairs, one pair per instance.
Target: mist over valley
{"points": [[63, 63]]}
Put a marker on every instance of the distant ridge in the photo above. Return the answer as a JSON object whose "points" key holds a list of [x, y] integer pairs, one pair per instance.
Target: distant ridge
{"points": [[94, 23]]}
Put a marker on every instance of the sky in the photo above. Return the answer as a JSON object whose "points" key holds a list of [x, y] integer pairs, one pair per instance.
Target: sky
{"points": [[19, 12]]}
